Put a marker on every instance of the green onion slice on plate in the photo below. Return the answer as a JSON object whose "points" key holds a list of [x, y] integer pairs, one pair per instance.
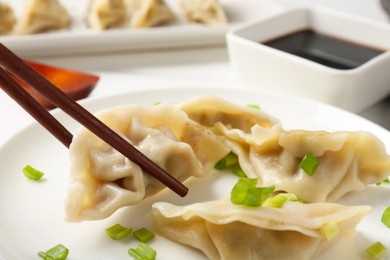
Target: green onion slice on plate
{"points": [[58, 252], [386, 217], [143, 235], [385, 181], [32, 173], [143, 252], [118, 231], [255, 106], [376, 250]]}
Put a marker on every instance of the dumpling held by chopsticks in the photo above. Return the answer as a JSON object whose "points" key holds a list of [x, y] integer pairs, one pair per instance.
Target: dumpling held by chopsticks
{"points": [[103, 180]]}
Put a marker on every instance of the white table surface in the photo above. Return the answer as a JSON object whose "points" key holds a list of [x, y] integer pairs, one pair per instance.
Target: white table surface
{"points": [[179, 67]]}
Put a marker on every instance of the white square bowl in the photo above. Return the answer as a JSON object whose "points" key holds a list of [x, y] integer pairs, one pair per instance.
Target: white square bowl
{"points": [[258, 65]]}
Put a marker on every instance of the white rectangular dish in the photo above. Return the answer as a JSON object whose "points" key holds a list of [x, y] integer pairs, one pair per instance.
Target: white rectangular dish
{"points": [[259, 65], [80, 39]]}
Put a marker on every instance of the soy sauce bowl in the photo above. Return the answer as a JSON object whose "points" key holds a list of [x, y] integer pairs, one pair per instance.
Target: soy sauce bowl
{"points": [[354, 85]]}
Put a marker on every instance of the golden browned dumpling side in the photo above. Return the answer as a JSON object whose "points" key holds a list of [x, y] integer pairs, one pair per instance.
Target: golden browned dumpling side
{"points": [[42, 15], [7, 18], [204, 11], [149, 13], [104, 14]]}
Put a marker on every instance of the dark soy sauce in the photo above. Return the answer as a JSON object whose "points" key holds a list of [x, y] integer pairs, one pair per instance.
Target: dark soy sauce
{"points": [[323, 49]]}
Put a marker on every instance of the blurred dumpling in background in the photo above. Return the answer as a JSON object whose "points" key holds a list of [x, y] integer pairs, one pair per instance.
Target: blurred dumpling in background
{"points": [[42, 15], [104, 14], [149, 13], [204, 11], [134, 5], [7, 18]]}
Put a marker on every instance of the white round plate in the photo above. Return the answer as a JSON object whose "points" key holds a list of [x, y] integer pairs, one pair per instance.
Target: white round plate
{"points": [[32, 215]]}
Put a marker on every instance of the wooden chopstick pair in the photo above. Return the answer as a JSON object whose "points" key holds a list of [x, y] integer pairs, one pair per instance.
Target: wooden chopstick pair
{"points": [[15, 65]]}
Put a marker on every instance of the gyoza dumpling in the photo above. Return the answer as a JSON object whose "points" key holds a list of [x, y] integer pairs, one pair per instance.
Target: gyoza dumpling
{"points": [[149, 13], [223, 231], [242, 126], [235, 121], [103, 14], [348, 162], [103, 180], [42, 15], [7, 18], [204, 11]]}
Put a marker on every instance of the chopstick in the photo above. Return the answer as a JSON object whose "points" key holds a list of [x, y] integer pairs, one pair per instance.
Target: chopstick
{"points": [[25, 100], [14, 64]]}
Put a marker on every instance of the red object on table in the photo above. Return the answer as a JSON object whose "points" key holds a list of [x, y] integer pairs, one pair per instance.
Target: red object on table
{"points": [[76, 84]]}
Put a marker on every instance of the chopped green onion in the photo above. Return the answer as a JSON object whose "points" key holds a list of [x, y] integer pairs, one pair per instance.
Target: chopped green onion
{"points": [[291, 196], [254, 106], [246, 193], [330, 230], [253, 197], [59, 252], [230, 162], [220, 165], [143, 252], [386, 217], [32, 173], [231, 159], [238, 171], [376, 250], [239, 191], [309, 164], [279, 200], [385, 181], [143, 235], [275, 202], [118, 231]]}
